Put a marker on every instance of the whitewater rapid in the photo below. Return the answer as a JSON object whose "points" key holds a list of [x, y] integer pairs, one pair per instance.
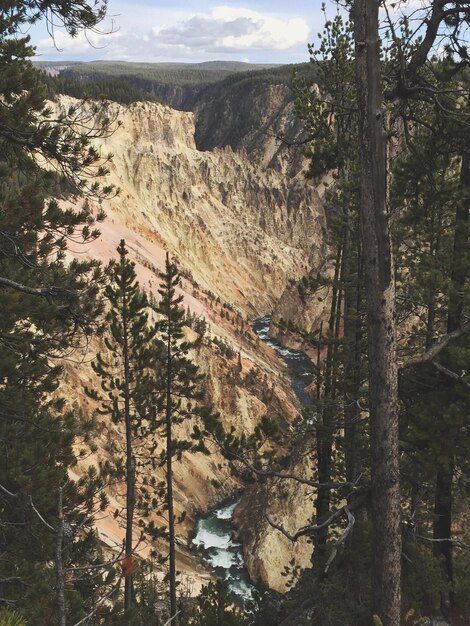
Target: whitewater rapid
{"points": [[214, 535]]}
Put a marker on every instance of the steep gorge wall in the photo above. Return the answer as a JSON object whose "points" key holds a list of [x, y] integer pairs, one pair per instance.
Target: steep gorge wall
{"points": [[247, 111], [254, 116], [240, 231]]}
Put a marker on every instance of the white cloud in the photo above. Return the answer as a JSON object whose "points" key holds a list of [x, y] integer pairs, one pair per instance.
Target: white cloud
{"points": [[236, 28], [219, 32]]}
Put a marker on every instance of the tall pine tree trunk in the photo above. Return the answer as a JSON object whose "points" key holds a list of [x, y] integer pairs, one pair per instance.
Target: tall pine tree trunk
{"points": [[130, 506], [380, 296], [59, 541], [445, 474], [130, 469], [169, 475], [326, 426], [352, 366]]}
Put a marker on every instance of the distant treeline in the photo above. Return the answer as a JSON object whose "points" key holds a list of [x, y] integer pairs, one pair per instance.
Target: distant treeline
{"points": [[117, 90], [147, 83]]}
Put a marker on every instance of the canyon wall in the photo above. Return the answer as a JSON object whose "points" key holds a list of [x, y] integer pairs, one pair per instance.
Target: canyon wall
{"points": [[240, 228]]}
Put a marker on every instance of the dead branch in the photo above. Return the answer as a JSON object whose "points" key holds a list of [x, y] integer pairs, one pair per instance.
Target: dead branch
{"points": [[454, 542], [273, 474], [451, 374], [97, 565], [97, 606], [342, 539], [437, 348], [313, 528], [8, 492], [171, 619], [44, 292], [40, 516]]}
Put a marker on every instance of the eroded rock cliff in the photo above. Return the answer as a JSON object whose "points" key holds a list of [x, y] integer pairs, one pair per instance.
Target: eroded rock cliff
{"points": [[240, 230]]}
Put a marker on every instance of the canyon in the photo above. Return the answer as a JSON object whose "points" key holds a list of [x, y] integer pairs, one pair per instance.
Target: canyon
{"points": [[244, 225]]}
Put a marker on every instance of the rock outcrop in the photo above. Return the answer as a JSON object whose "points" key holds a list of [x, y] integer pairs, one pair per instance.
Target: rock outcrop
{"points": [[303, 312], [242, 229], [269, 555]]}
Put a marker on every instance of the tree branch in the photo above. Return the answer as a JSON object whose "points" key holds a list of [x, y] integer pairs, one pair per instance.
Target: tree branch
{"points": [[40, 516], [421, 54], [273, 474], [97, 606], [454, 542], [11, 417], [437, 348], [97, 565], [44, 292], [342, 539], [451, 374], [171, 619], [9, 493], [12, 579], [313, 528]]}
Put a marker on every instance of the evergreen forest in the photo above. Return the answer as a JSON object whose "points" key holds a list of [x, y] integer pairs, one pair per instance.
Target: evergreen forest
{"points": [[137, 404]]}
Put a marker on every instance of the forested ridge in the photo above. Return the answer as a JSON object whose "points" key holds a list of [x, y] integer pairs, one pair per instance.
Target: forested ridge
{"points": [[183, 75], [128, 83], [382, 446]]}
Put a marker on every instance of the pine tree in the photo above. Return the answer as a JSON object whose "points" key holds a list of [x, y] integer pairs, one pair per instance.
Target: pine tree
{"points": [[28, 128], [126, 377], [180, 395], [430, 190], [327, 111], [215, 607]]}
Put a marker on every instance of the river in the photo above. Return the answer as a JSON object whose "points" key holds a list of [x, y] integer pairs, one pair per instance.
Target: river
{"points": [[299, 364], [214, 533]]}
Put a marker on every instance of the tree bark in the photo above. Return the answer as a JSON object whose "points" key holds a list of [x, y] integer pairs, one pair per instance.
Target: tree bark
{"points": [[352, 366], [380, 297], [326, 425]]}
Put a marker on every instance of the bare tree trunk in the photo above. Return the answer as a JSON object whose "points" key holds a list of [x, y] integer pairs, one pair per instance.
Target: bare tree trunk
{"points": [[380, 296], [59, 568]]}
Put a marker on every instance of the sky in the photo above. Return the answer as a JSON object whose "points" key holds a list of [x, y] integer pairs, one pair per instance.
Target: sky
{"points": [[155, 31]]}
